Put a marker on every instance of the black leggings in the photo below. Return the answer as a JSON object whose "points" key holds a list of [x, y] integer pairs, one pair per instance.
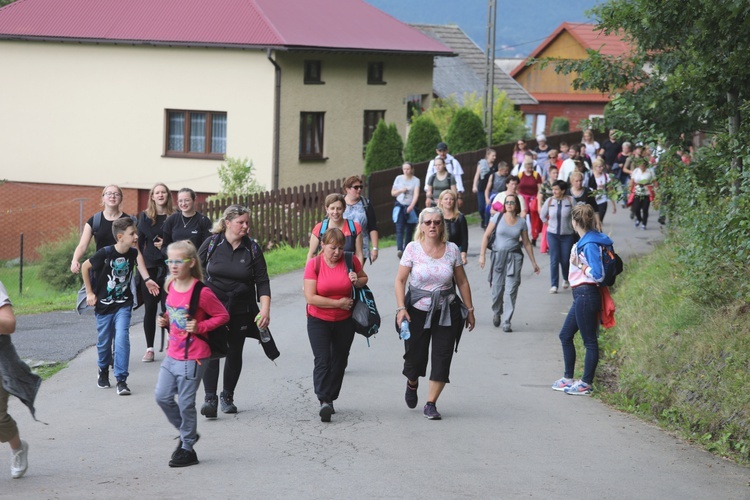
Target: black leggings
{"points": [[239, 325], [640, 208], [151, 303], [443, 342]]}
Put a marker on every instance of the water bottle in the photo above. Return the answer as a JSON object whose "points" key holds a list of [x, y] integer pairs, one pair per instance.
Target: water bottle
{"points": [[265, 335], [404, 334]]}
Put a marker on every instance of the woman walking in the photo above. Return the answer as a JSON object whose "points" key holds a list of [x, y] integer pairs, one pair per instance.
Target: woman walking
{"points": [[557, 212], [406, 191], [330, 328], [506, 259], [187, 223], [150, 241], [335, 205], [455, 222], [359, 209], [432, 266], [235, 270], [599, 183], [438, 182], [642, 184], [586, 273]]}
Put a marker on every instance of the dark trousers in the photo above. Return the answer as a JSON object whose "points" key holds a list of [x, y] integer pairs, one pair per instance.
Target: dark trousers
{"points": [[482, 209], [239, 325], [583, 316], [330, 342], [151, 303], [443, 340], [640, 208], [601, 208], [404, 230], [559, 256]]}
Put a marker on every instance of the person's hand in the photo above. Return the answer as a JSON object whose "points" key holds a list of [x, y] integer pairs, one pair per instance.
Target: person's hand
{"points": [[75, 267], [353, 278], [374, 255], [481, 261], [470, 320], [263, 319], [91, 299], [463, 258], [191, 325], [158, 242], [614, 209], [153, 287], [474, 190], [345, 303], [162, 321], [409, 210], [536, 269], [401, 316]]}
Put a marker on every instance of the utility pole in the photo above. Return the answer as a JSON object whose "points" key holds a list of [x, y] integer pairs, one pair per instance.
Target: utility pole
{"points": [[489, 74]]}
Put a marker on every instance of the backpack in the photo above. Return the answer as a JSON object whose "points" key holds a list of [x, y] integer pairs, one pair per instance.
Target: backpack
{"points": [[135, 289], [217, 340], [324, 228], [482, 183], [365, 312], [611, 265]]}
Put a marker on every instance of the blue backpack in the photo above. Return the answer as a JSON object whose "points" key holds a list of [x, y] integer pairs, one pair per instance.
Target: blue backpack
{"points": [[612, 264]]}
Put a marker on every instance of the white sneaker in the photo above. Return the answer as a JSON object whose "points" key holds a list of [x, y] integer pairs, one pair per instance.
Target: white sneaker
{"points": [[566, 284], [553, 289], [20, 461]]}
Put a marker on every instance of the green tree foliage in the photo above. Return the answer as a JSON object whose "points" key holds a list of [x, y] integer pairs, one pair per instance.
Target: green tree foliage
{"points": [[560, 125], [6, 2], [384, 149], [237, 177], [55, 261], [423, 137], [441, 113], [466, 132], [507, 123]]}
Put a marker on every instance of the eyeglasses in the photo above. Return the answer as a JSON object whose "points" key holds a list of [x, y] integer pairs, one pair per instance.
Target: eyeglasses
{"points": [[176, 262], [432, 222], [510, 202], [359, 186], [112, 194]]}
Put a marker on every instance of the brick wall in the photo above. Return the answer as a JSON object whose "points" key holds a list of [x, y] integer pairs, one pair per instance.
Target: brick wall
{"points": [[46, 212], [574, 112]]}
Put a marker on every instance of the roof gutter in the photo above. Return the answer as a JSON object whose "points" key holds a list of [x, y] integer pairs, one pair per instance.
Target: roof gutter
{"points": [[276, 120], [147, 43]]}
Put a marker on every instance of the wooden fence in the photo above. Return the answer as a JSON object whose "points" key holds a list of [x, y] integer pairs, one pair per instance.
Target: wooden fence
{"points": [[288, 215]]}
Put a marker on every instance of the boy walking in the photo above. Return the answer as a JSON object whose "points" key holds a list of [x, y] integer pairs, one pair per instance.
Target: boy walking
{"points": [[111, 294]]}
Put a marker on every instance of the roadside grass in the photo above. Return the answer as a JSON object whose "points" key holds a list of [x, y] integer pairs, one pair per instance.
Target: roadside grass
{"points": [[46, 371], [679, 362]]}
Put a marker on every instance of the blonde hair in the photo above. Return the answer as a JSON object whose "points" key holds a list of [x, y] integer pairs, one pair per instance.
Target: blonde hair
{"points": [[598, 162], [583, 216], [445, 193], [151, 210], [577, 174], [419, 235], [105, 190], [231, 213], [188, 251]]}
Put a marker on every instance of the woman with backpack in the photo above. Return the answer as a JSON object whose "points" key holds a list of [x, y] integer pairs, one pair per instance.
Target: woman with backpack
{"points": [[358, 209], [335, 206], [586, 275], [330, 327], [556, 214]]}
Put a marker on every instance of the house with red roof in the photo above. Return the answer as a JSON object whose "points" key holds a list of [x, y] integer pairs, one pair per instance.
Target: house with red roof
{"points": [[135, 92], [554, 92]]}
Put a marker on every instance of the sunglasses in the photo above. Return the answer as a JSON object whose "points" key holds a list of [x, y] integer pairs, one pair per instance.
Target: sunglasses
{"points": [[176, 262], [356, 187], [431, 222]]}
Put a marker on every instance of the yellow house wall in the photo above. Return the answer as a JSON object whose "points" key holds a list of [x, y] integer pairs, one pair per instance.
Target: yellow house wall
{"points": [[536, 80], [344, 97], [95, 114]]}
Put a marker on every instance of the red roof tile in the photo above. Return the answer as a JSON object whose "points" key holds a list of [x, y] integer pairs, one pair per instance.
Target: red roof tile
{"points": [[330, 24], [561, 97]]}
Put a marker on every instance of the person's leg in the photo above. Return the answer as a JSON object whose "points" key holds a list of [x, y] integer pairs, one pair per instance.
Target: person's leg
{"points": [[587, 310], [497, 288], [512, 283], [602, 209], [536, 221], [150, 308], [645, 204], [443, 343], [637, 209], [211, 378], [341, 343], [8, 426], [409, 233], [238, 328], [566, 245], [105, 327], [567, 332], [166, 389], [481, 208], [320, 334], [187, 385], [554, 241], [400, 229], [417, 348], [122, 342]]}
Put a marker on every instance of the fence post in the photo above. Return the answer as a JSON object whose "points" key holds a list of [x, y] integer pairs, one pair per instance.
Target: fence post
{"points": [[20, 270]]}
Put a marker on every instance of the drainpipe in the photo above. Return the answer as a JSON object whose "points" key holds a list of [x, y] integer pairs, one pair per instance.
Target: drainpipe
{"points": [[276, 120]]}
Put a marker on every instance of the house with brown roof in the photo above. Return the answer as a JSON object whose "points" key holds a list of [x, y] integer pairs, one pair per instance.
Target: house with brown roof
{"points": [[554, 92], [133, 93], [465, 73]]}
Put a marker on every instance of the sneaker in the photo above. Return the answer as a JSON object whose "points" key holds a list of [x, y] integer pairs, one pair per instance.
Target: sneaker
{"points": [[533, 242], [183, 458], [566, 284], [326, 410], [227, 402], [430, 412], [399, 253], [103, 382], [553, 289], [20, 461], [179, 445], [562, 384], [210, 406], [632, 216], [411, 395], [496, 319], [637, 224], [507, 328], [579, 388], [643, 227], [122, 388], [149, 356]]}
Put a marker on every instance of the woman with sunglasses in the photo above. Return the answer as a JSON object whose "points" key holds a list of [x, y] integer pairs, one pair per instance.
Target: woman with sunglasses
{"points": [[335, 205], [506, 259], [235, 270], [359, 209], [432, 265]]}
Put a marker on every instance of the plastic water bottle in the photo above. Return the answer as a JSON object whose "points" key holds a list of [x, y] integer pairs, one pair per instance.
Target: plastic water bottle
{"points": [[404, 334], [265, 335]]}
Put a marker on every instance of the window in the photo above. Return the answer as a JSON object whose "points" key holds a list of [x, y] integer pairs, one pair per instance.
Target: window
{"points": [[372, 117], [311, 136], [375, 73], [312, 73], [535, 124], [196, 134]]}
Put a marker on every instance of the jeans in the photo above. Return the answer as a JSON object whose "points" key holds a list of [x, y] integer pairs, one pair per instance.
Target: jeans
{"points": [[330, 342], [114, 327], [181, 379], [404, 231], [482, 208], [559, 256], [583, 316]]}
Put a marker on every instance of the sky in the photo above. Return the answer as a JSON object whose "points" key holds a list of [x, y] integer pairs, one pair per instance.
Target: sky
{"points": [[521, 24]]}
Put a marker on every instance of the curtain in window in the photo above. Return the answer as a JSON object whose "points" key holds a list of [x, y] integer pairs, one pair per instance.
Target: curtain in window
{"points": [[197, 132], [219, 133], [176, 131]]}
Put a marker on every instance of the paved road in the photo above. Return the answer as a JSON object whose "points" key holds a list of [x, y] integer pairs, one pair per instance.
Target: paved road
{"points": [[504, 433]]}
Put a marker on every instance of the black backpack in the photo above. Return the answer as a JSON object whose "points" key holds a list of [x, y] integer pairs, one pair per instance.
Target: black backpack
{"points": [[217, 340], [365, 312], [611, 265]]}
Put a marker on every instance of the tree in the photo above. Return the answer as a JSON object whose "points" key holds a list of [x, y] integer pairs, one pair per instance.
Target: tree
{"points": [[507, 123], [423, 137], [466, 132], [384, 149], [3, 3], [237, 178]]}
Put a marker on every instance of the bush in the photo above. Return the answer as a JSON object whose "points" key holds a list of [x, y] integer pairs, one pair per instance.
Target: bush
{"points": [[466, 132], [385, 149], [507, 123], [423, 137], [55, 261], [237, 178], [560, 125]]}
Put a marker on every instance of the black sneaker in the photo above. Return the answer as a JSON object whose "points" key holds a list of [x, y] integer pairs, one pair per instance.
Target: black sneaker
{"points": [[103, 381], [210, 406], [123, 389], [326, 410], [227, 402], [179, 444], [430, 412], [411, 395], [183, 458]]}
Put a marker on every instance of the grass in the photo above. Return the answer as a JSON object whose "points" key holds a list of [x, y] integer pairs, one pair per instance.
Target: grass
{"points": [[46, 371], [678, 362]]}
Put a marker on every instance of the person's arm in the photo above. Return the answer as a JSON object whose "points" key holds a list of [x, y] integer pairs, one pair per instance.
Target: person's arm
{"points": [[358, 277], [529, 250], [459, 274], [428, 201], [395, 191], [85, 270], [400, 290], [311, 296], [262, 286], [626, 168], [544, 209], [524, 208], [414, 199], [458, 173], [151, 285], [474, 185], [372, 231], [488, 188], [212, 306], [7, 320], [374, 250], [463, 231], [485, 242], [358, 251], [430, 173], [166, 230], [83, 244], [314, 244]]}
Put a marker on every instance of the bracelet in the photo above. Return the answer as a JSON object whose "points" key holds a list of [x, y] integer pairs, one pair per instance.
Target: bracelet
{"points": [[471, 309], [148, 279], [400, 309], [374, 249]]}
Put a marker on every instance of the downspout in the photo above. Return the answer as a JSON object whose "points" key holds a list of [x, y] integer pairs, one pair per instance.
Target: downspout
{"points": [[276, 120]]}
